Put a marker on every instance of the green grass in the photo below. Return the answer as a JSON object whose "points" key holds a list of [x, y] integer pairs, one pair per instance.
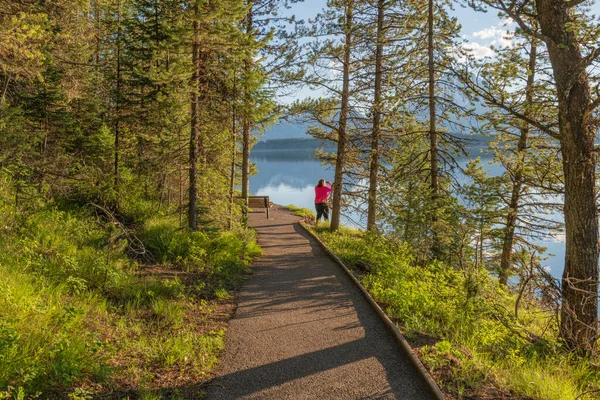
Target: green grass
{"points": [[479, 344], [300, 211], [44, 343], [79, 315], [170, 243]]}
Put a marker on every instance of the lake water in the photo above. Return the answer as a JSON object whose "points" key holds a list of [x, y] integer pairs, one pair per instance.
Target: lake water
{"points": [[289, 177]]}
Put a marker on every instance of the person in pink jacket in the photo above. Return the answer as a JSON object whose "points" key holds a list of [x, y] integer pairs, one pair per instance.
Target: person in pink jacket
{"points": [[322, 191]]}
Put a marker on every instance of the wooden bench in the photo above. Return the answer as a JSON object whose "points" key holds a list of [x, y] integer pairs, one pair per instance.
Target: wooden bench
{"points": [[259, 202]]}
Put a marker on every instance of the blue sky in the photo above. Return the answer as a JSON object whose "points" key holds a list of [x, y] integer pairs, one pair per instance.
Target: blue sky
{"points": [[480, 29]]}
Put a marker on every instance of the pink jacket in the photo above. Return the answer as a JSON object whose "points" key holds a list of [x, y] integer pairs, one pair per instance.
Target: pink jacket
{"points": [[322, 193]]}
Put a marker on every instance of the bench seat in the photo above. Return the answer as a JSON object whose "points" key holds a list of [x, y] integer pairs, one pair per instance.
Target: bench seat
{"points": [[256, 202]]}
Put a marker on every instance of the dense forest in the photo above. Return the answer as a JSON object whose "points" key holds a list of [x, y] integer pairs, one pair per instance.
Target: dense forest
{"points": [[126, 128]]}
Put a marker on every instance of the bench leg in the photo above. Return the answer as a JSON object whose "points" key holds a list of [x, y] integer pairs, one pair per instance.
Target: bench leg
{"points": [[267, 212]]}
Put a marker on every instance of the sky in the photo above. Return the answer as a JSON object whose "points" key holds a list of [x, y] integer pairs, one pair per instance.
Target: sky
{"points": [[480, 29]]}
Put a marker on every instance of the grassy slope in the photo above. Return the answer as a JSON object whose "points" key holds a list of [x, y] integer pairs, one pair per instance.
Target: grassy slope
{"points": [[305, 213], [80, 316], [463, 326]]}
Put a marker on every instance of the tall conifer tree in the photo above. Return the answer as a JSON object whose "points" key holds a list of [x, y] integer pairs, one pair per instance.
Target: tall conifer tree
{"points": [[568, 36]]}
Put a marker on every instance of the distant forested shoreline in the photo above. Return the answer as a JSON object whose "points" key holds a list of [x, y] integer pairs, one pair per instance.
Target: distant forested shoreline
{"points": [[293, 144]]}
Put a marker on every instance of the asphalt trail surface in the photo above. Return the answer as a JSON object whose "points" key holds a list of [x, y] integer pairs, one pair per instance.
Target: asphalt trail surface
{"points": [[302, 330]]}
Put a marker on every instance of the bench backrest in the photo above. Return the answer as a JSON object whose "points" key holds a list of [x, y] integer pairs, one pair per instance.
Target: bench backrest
{"points": [[258, 201]]}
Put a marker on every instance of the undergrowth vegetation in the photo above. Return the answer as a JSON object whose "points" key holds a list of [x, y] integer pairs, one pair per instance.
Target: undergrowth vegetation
{"points": [[463, 324], [83, 311], [305, 213]]}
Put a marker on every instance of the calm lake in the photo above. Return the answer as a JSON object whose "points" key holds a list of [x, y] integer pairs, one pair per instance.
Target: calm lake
{"points": [[289, 177]]}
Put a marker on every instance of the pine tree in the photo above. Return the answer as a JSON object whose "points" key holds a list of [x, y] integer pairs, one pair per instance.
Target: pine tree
{"points": [[383, 31], [513, 206], [377, 112], [432, 98], [482, 211], [277, 49], [509, 85], [332, 114], [567, 35]]}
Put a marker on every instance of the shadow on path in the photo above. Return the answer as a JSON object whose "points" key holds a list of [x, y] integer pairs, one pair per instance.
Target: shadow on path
{"points": [[303, 330]]}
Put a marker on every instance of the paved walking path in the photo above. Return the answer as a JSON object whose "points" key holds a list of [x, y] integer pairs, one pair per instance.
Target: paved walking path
{"points": [[304, 331]]}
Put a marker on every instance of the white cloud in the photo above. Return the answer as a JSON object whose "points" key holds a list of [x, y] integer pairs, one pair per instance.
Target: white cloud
{"points": [[336, 67], [477, 50], [505, 40], [499, 36], [480, 43], [488, 33]]}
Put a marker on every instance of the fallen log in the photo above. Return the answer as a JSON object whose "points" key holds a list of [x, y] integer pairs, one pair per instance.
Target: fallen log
{"points": [[363, 266]]}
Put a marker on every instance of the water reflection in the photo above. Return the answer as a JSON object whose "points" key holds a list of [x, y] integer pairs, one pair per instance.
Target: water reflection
{"points": [[289, 177], [286, 194]]}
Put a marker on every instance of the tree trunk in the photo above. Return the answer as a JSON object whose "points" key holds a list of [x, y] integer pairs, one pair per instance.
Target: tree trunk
{"points": [[98, 35], [433, 139], [245, 159], [180, 194], [579, 308], [233, 153], [246, 125], [117, 102], [342, 134], [203, 101], [515, 198], [374, 165], [195, 112]]}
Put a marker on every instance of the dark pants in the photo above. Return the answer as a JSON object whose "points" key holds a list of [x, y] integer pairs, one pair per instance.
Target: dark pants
{"points": [[323, 210]]}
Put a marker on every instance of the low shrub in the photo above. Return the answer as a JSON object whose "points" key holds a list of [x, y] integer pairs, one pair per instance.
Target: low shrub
{"points": [[170, 243], [480, 345], [78, 311]]}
